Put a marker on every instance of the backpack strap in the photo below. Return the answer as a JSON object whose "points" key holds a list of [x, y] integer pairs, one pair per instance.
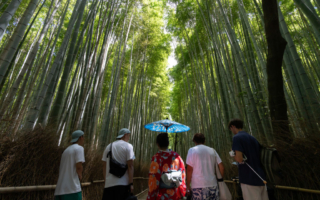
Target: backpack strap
{"points": [[110, 152], [264, 181]]}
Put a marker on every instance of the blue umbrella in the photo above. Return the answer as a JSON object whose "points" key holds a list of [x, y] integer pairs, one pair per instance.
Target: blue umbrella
{"points": [[167, 126]]}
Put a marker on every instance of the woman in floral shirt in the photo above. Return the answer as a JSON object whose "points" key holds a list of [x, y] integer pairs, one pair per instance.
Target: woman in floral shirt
{"points": [[161, 162]]}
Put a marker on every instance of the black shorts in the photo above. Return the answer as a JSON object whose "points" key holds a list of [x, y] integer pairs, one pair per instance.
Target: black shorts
{"points": [[119, 192]]}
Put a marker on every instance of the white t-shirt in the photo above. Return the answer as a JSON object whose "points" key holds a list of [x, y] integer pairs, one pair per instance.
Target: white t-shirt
{"points": [[68, 181], [122, 152], [203, 160]]}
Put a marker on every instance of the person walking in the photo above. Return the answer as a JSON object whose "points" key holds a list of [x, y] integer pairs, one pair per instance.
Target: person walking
{"points": [[118, 188], [245, 145], [201, 163], [163, 162], [70, 171]]}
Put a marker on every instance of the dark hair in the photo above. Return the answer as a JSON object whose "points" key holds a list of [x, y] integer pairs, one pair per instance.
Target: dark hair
{"points": [[163, 140], [238, 123], [199, 138]]}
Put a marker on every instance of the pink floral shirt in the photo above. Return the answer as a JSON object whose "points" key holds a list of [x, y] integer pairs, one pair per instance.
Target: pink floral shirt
{"points": [[162, 162]]}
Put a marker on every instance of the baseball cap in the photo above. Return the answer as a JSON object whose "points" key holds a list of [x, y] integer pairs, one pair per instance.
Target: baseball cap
{"points": [[76, 134], [122, 132]]}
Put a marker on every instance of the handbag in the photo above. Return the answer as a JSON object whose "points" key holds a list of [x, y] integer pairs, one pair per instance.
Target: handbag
{"points": [[224, 192], [116, 168]]}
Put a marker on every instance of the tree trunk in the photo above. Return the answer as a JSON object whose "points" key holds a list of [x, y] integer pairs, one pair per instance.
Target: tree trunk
{"points": [[33, 113], [7, 15], [276, 48], [10, 49], [58, 102]]}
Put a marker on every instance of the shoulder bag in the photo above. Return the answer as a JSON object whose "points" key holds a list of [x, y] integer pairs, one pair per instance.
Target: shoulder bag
{"points": [[116, 168], [224, 192]]}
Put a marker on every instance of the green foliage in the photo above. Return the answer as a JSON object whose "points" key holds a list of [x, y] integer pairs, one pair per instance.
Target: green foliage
{"points": [[217, 52]]}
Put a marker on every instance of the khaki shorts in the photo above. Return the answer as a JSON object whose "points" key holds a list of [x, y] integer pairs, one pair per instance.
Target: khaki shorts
{"points": [[250, 192]]}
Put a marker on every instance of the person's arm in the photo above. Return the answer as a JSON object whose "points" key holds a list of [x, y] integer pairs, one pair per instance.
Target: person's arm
{"points": [[130, 172], [238, 157], [183, 186], [79, 159], [79, 169], [104, 170], [221, 169], [189, 176], [237, 147], [105, 160], [154, 177]]}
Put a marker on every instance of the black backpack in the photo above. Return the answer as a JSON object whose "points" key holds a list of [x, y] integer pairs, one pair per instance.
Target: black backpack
{"points": [[270, 161], [116, 168]]}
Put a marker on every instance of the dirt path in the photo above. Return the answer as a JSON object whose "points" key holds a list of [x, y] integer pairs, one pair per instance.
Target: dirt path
{"points": [[143, 196]]}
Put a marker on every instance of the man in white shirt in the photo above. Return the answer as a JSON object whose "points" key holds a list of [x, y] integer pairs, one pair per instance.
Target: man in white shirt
{"points": [[201, 162], [118, 188], [70, 171]]}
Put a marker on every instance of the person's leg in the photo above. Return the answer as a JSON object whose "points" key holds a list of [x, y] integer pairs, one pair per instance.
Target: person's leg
{"points": [[209, 193], [108, 193], [79, 196], [196, 193], [123, 193], [73, 196], [251, 192], [57, 197], [264, 193], [119, 192], [214, 193]]}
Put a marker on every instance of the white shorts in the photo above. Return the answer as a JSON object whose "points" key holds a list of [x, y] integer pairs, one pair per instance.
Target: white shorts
{"points": [[250, 192]]}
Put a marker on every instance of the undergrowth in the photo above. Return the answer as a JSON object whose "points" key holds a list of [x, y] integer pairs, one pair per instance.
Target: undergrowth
{"points": [[34, 159]]}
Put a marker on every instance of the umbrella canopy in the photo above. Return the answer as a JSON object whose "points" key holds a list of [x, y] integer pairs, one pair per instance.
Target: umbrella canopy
{"points": [[167, 126]]}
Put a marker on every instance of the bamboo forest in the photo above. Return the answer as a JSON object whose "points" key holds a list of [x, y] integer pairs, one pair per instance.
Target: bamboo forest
{"points": [[103, 65]]}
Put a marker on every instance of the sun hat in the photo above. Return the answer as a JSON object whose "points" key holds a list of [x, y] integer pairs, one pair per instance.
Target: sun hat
{"points": [[122, 132], [76, 134]]}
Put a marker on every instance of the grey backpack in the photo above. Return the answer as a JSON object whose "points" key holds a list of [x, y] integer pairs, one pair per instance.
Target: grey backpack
{"points": [[270, 161], [171, 179]]}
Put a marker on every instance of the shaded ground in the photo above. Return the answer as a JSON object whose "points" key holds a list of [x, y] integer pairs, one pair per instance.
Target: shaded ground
{"points": [[143, 196]]}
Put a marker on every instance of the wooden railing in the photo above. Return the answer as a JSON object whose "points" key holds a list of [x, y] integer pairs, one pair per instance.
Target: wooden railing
{"points": [[52, 187], [48, 187], [286, 188]]}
